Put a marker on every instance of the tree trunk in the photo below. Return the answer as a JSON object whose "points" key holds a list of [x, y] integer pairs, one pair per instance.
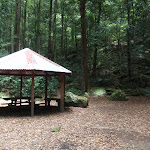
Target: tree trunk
{"points": [[12, 32], [38, 26], [118, 31], [84, 46], [76, 42], [62, 28], [17, 24], [72, 36], [50, 26], [96, 45], [128, 42], [55, 11], [24, 24], [66, 41], [34, 44]]}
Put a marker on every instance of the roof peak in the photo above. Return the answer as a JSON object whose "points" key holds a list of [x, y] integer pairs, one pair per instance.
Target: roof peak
{"points": [[27, 59]]}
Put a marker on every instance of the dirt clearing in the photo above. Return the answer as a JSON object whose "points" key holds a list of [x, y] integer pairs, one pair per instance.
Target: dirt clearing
{"points": [[104, 124]]}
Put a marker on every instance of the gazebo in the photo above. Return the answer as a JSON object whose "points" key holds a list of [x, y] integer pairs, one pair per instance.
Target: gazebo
{"points": [[29, 63]]}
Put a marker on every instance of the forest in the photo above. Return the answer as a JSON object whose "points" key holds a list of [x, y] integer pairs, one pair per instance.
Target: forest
{"points": [[105, 43]]}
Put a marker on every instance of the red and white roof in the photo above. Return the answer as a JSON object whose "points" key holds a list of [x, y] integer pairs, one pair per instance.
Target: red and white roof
{"points": [[27, 59]]}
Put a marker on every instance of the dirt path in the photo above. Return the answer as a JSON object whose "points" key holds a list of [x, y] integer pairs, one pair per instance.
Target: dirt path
{"points": [[103, 125]]}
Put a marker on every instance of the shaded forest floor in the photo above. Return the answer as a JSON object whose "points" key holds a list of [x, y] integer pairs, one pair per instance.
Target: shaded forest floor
{"points": [[122, 125]]}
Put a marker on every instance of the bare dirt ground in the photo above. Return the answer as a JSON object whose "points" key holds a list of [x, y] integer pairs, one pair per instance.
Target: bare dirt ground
{"points": [[104, 124]]}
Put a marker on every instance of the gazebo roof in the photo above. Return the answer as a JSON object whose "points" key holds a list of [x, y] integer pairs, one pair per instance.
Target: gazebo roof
{"points": [[25, 61]]}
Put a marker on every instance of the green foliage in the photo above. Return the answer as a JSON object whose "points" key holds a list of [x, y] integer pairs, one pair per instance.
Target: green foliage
{"points": [[118, 95], [108, 37], [11, 86], [74, 90], [4, 95], [98, 91], [57, 129], [135, 92], [86, 94], [109, 91], [127, 85]]}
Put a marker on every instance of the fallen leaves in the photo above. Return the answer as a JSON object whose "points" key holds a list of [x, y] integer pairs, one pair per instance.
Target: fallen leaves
{"points": [[103, 125]]}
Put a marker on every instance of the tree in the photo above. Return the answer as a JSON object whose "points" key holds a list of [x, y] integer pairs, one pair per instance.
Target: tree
{"points": [[62, 29], [50, 29], [17, 24], [84, 46], [97, 21], [129, 40], [110, 38], [55, 12], [38, 26], [24, 23]]}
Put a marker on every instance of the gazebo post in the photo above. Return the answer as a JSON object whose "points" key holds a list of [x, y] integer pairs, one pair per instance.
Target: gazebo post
{"points": [[20, 89], [46, 90], [32, 95], [62, 98]]}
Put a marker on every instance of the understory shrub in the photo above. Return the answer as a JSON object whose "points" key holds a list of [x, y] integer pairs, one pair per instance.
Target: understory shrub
{"points": [[118, 95], [135, 92], [109, 91]]}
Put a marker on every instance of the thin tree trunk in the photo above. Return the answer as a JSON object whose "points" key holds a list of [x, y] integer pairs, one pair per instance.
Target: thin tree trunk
{"points": [[62, 28], [24, 24], [118, 31], [38, 27], [84, 46], [55, 11], [128, 42], [12, 32], [66, 41], [96, 45], [50, 30], [72, 35], [76, 42], [17, 24], [35, 25]]}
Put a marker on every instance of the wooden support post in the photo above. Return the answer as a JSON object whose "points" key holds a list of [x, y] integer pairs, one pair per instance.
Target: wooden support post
{"points": [[46, 90], [32, 95], [62, 90], [20, 89]]}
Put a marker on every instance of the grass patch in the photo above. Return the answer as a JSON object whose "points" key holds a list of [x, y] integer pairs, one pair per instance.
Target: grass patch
{"points": [[97, 91]]}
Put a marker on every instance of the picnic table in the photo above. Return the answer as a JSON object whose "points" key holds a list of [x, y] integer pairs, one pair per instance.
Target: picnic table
{"points": [[14, 100]]}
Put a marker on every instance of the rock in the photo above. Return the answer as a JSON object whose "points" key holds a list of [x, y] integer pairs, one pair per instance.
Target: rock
{"points": [[75, 100]]}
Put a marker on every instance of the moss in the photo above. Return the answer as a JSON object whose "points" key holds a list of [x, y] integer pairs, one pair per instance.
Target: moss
{"points": [[72, 98], [83, 99], [118, 95]]}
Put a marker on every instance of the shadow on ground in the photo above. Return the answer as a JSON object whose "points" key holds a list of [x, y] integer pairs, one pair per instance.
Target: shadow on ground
{"points": [[19, 111]]}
